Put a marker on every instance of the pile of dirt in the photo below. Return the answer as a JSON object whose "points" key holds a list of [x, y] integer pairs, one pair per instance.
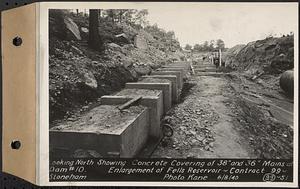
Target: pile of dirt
{"points": [[262, 61], [269, 56], [79, 76], [230, 54]]}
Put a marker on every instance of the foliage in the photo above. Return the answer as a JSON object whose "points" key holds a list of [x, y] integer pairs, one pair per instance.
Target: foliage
{"points": [[209, 46], [128, 16], [166, 40], [220, 44], [188, 47]]}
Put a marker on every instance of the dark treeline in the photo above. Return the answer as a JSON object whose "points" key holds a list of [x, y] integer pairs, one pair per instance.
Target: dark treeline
{"points": [[207, 46]]}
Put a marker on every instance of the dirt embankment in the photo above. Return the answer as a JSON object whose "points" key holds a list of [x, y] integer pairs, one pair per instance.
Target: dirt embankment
{"points": [[263, 61], [78, 75], [266, 112], [271, 56]]}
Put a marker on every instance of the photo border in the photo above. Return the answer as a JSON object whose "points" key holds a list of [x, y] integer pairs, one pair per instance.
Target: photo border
{"points": [[43, 100]]}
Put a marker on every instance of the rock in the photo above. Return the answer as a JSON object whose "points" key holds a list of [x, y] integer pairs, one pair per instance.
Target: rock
{"points": [[72, 28], [127, 63], [94, 154], [84, 30], [90, 80], [114, 46], [207, 148], [200, 138], [194, 141], [76, 50], [182, 128], [193, 132], [122, 38], [140, 42], [143, 70]]}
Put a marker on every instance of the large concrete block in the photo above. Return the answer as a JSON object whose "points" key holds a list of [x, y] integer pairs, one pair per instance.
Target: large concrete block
{"points": [[165, 87], [147, 94], [177, 73], [105, 130], [182, 70], [154, 103], [173, 79], [206, 70], [204, 66], [186, 66]]}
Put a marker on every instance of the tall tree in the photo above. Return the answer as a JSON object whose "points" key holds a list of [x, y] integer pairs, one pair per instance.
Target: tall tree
{"points": [[220, 44], [94, 37], [197, 48], [211, 45], [188, 47], [140, 18]]}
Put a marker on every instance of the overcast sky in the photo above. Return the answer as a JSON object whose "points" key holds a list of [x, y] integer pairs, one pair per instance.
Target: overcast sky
{"points": [[235, 23]]}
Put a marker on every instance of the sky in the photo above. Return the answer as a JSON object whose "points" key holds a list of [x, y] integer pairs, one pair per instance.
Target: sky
{"points": [[234, 23]]}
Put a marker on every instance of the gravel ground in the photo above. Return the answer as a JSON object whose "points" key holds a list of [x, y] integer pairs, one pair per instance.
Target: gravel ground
{"points": [[215, 120]]}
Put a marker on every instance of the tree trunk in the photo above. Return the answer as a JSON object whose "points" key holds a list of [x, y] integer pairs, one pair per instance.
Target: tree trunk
{"points": [[94, 37]]}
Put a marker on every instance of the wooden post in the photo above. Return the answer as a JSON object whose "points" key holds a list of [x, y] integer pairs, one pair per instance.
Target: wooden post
{"points": [[220, 57]]}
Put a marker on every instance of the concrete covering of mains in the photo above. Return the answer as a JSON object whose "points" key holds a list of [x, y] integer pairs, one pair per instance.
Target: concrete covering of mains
{"points": [[106, 130], [112, 131]]}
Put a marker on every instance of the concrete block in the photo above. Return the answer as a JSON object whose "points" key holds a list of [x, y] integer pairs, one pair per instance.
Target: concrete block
{"points": [[147, 94], [177, 73], [204, 67], [182, 70], [206, 70], [104, 129], [165, 87], [173, 79], [184, 66], [154, 103]]}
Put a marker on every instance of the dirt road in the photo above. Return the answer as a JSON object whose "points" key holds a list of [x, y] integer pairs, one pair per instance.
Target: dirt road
{"points": [[209, 95], [214, 120]]}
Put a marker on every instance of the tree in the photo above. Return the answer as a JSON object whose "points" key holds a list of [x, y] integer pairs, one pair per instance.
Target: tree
{"points": [[188, 47], [220, 44], [205, 46], [211, 45], [140, 17], [94, 37], [197, 48], [171, 34]]}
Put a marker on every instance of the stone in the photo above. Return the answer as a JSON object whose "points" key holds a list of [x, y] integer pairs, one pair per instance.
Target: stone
{"points": [[90, 80], [84, 30], [122, 38], [140, 42], [73, 28]]}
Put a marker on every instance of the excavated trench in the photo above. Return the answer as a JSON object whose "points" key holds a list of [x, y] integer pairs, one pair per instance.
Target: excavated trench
{"points": [[213, 116]]}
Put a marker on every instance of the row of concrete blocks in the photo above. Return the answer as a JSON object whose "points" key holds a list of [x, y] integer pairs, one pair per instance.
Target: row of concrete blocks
{"points": [[159, 91]]}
